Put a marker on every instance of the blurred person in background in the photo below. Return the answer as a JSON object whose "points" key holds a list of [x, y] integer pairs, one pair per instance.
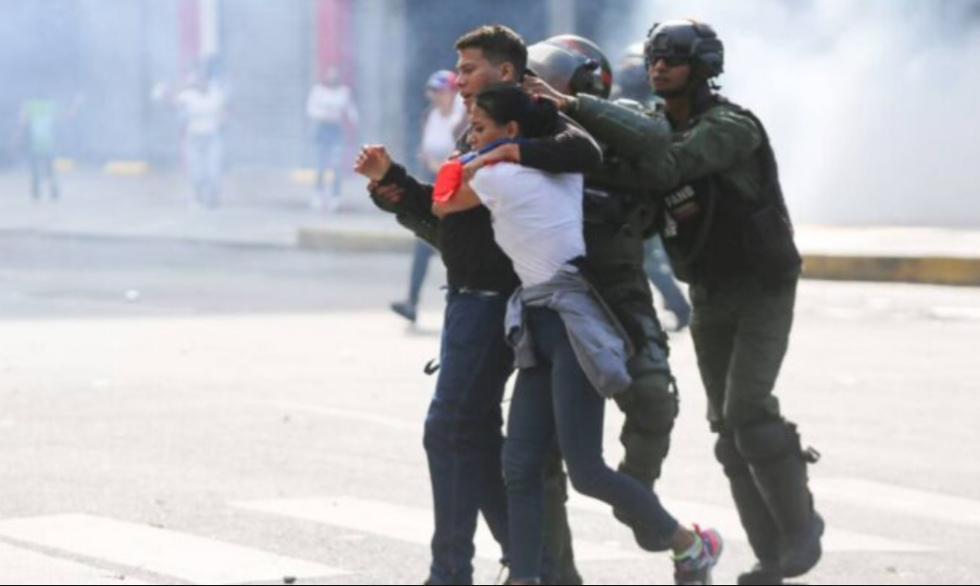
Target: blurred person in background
{"points": [[203, 106], [330, 106], [444, 121], [39, 122]]}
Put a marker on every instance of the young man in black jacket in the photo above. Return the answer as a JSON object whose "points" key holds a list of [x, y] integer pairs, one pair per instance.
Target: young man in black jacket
{"points": [[463, 430]]}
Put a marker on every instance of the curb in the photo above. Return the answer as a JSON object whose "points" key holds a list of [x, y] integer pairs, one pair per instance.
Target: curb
{"points": [[350, 240], [126, 168], [960, 272], [952, 271]]}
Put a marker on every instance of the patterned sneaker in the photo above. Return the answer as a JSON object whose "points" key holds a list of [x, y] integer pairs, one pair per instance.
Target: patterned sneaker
{"points": [[695, 570]]}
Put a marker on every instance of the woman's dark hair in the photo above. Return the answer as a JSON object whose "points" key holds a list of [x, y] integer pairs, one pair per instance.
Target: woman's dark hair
{"points": [[507, 102]]}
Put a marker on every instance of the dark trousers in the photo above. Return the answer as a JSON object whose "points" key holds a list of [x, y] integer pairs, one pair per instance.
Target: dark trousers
{"points": [[464, 434], [741, 334], [420, 268], [554, 402], [657, 266]]}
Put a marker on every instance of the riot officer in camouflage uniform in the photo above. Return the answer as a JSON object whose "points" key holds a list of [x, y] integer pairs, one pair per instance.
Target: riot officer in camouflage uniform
{"points": [[633, 83], [618, 219], [728, 232]]}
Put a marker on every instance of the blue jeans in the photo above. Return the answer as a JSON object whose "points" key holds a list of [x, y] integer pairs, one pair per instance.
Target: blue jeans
{"points": [[42, 169], [555, 402], [657, 266], [329, 152], [205, 160], [464, 434], [420, 268]]}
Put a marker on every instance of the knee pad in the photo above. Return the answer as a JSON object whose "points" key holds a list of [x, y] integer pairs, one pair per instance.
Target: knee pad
{"points": [[767, 442], [651, 406], [727, 454], [654, 353]]}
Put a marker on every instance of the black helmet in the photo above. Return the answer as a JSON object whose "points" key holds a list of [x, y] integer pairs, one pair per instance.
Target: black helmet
{"points": [[686, 39], [572, 64]]}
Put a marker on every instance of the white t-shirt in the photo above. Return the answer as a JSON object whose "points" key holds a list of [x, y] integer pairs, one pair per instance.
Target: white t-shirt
{"points": [[204, 110], [537, 217], [331, 105], [439, 133]]}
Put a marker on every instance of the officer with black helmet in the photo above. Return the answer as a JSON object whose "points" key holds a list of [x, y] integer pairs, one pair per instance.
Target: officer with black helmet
{"points": [[618, 219], [728, 232], [633, 83]]}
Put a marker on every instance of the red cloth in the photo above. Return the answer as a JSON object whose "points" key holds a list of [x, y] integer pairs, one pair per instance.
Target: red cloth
{"points": [[448, 181]]}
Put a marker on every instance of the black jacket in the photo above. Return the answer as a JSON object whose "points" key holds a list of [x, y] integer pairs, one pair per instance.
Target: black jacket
{"points": [[466, 240]]}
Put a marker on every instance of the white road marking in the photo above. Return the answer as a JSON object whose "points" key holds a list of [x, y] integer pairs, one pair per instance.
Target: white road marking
{"points": [[725, 520], [406, 524], [30, 568], [158, 551], [899, 500]]}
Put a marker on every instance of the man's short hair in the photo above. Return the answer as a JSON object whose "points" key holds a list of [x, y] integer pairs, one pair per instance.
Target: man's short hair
{"points": [[499, 45]]}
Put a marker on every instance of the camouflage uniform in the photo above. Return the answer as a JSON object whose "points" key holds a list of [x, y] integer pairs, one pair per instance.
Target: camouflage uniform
{"points": [[727, 229]]}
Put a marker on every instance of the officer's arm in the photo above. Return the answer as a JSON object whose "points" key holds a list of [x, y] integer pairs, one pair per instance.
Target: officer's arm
{"points": [[571, 150], [629, 131], [413, 209], [720, 140]]}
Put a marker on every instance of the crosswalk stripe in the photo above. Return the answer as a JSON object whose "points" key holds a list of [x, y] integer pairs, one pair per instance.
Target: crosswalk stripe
{"points": [[30, 568], [159, 551], [406, 524], [889, 498], [726, 521]]}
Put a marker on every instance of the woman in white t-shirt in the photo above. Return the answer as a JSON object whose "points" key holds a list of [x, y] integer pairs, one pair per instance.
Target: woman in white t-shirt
{"points": [[538, 222], [331, 107]]}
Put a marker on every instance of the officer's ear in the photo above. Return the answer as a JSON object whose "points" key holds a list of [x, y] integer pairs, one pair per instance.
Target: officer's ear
{"points": [[700, 73], [512, 129]]}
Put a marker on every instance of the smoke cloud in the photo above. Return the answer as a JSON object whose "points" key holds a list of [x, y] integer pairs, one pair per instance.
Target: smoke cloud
{"points": [[872, 105]]}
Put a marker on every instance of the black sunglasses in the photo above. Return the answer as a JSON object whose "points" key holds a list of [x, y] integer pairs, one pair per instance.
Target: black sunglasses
{"points": [[670, 61]]}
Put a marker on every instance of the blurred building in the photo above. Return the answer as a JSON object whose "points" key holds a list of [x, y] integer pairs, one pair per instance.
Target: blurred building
{"points": [[115, 53]]}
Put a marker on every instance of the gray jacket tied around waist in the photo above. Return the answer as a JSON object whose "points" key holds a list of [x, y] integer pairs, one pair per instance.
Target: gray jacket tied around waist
{"points": [[599, 341]]}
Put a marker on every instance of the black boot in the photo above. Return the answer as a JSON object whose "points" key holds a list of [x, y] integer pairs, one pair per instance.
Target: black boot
{"points": [[758, 522], [761, 575], [784, 485], [762, 531]]}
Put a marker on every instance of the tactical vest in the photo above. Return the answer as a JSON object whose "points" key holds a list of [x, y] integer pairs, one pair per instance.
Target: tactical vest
{"points": [[713, 235]]}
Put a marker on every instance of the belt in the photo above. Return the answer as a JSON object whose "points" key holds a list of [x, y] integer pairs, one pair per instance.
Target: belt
{"points": [[474, 292]]}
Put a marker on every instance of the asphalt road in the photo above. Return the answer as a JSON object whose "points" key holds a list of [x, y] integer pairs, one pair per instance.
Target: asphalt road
{"points": [[175, 414]]}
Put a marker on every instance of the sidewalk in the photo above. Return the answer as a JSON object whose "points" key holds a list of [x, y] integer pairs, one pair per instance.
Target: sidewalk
{"points": [[906, 255], [269, 209], [259, 208]]}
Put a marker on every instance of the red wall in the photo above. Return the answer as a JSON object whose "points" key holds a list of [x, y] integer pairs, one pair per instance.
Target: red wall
{"points": [[334, 37]]}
